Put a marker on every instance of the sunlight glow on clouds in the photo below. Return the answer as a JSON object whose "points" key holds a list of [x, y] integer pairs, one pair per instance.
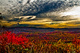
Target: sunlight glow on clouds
{"points": [[74, 11]]}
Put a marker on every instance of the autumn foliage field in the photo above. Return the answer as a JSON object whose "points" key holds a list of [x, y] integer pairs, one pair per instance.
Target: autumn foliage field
{"points": [[48, 42]]}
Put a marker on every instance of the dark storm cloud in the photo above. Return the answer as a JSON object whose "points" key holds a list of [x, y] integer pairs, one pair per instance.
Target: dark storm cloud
{"points": [[40, 7]]}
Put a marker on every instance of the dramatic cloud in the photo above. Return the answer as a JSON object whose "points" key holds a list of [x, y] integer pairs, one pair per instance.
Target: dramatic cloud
{"points": [[52, 11]]}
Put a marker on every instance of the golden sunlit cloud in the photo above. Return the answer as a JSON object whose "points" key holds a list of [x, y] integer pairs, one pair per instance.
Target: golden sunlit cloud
{"points": [[46, 23]]}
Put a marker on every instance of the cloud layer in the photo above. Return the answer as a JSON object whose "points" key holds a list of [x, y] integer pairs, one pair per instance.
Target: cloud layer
{"points": [[51, 11]]}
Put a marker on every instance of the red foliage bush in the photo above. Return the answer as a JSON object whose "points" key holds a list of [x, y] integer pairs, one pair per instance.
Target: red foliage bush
{"points": [[9, 37], [76, 41]]}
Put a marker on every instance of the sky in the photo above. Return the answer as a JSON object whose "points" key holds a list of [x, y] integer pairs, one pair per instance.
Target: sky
{"points": [[40, 13]]}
